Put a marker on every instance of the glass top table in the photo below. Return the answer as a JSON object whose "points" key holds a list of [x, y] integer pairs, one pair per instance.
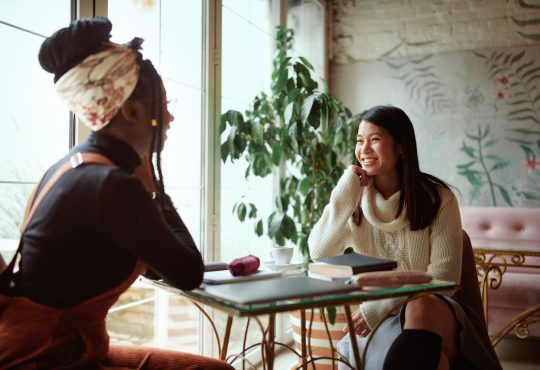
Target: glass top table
{"points": [[349, 297], [345, 297]]}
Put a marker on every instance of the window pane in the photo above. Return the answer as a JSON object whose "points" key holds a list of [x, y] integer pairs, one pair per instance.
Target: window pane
{"points": [[172, 30], [247, 40], [35, 124], [246, 61], [181, 43], [13, 198], [134, 19], [306, 18], [43, 17]]}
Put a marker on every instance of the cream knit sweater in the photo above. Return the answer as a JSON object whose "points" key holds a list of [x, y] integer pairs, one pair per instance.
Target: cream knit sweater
{"points": [[436, 249]]}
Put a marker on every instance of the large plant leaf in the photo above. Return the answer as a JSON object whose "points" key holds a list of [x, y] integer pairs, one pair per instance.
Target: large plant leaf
{"points": [[332, 314], [274, 223], [306, 108], [289, 112], [224, 151], [307, 63], [241, 212], [259, 228], [230, 142], [288, 229], [277, 151], [304, 186]]}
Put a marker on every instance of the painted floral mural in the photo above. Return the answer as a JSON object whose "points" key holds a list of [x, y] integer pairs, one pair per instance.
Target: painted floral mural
{"points": [[476, 116], [515, 75]]}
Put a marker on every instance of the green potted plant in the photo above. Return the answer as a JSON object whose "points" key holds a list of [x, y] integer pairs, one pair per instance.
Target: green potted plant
{"points": [[303, 134], [298, 131]]}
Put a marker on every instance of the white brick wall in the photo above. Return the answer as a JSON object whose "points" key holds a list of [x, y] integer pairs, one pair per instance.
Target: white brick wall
{"points": [[368, 29]]}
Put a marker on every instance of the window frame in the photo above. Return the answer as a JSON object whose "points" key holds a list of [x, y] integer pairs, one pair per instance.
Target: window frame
{"points": [[210, 149]]}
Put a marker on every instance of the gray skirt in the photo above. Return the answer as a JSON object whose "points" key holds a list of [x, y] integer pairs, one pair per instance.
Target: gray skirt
{"points": [[476, 351]]}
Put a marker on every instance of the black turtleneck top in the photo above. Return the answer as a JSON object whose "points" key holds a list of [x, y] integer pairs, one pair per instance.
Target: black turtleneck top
{"points": [[92, 226]]}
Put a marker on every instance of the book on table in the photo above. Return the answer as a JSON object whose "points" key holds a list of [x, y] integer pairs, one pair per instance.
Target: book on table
{"points": [[350, 264]]}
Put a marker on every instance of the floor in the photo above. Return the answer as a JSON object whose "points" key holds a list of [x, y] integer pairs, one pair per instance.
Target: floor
{"points": [[519, 354], [515, 354]]}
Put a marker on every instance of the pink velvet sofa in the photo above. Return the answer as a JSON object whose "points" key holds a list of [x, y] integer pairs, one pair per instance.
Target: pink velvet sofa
{"points": [[513, 283]]}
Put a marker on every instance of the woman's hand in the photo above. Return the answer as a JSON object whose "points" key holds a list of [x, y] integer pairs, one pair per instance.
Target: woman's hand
{"points": [[360, 325], [144, 173], [361, 173]]}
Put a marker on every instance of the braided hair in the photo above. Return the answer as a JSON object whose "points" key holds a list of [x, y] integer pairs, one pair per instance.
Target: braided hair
{"points": [[150, 80], [69, 46]]}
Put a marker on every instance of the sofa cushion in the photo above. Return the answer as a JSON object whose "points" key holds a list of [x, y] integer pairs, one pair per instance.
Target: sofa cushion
{"points": [[518, 290]]}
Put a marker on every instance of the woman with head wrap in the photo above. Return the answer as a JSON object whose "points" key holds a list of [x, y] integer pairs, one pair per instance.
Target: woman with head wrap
{"points": [[92, 227]]}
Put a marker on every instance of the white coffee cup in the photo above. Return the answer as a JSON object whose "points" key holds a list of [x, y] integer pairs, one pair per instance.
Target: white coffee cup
{"points": [[282, 255]]}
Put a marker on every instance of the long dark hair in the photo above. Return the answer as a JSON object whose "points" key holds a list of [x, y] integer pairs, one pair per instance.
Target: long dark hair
{"points": [[419, 195]]}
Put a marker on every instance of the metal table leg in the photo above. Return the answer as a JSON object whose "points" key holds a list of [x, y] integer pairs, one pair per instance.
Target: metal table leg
{"points": [[226, 336], [352, 334]]}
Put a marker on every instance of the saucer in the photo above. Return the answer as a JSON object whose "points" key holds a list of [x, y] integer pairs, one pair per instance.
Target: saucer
{"points": [[286, 267]]}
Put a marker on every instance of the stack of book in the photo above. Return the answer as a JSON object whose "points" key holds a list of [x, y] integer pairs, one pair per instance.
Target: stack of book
{"points": [[342, 268]]}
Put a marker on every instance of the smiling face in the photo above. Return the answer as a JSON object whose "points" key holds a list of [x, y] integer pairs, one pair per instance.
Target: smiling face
{"points": [[377, 152]]}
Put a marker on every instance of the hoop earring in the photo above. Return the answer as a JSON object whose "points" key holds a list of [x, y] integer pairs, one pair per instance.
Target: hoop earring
{"points": [[154, 122]]}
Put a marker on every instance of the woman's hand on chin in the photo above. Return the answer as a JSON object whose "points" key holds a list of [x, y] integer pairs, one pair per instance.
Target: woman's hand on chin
{"points": [[361, 173]]}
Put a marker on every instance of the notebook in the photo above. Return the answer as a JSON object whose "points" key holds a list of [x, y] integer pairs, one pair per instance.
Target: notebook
{"points": [[350, 264], [272, 290], [225, 276]]}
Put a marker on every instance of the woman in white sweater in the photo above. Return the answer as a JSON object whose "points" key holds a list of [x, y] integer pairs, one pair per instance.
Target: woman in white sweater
{"points": [[385, 207]]}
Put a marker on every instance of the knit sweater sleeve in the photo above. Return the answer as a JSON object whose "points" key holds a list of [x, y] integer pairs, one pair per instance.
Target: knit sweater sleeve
{"points": [[444, 261], [446, 240], [332, 230]]}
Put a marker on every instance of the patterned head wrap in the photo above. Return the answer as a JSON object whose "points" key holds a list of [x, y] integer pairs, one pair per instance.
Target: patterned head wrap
{"points": [[96, 88]]}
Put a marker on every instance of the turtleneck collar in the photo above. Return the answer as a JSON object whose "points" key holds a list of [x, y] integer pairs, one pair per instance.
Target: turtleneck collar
{"points": [[118, 151], [381, 212]]}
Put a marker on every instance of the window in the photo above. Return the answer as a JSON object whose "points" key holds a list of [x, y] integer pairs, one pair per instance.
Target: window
{"points": [[248, 38], [173, 33], [306, 18], [248, 43], [35, 124], [36, 132]]}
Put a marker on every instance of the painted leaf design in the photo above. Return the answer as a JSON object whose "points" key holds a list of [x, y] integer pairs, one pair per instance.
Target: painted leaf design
{"points": [[522, 96], [504, 194], [422, 83]]}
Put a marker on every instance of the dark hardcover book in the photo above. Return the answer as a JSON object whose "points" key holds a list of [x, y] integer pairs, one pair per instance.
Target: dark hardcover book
{"points": [[350, 264]]}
